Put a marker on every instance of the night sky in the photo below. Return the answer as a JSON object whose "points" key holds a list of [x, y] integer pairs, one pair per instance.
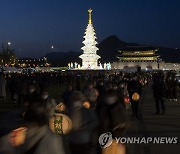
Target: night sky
{"points": [[31, 25]]}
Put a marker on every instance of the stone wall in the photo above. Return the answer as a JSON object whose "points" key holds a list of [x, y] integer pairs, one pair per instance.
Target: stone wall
{"points": [[143, 65]]}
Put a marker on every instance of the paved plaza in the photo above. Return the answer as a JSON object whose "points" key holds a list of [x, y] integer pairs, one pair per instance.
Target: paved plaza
{"points": [[153, 125]]}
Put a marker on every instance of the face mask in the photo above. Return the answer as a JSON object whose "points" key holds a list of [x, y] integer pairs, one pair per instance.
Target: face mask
{"points": [[134, 78], [101, 84], [90, 87], [77, 104], [122, 85], [44, 97], [110, 100], [31, 90], [69, 89], [115, 87]]}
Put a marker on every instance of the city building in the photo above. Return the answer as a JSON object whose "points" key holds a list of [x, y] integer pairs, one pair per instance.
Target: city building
{"points": [[29, 62]]}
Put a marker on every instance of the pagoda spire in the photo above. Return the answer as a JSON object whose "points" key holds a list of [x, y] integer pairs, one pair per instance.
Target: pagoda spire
{"points": [[90, 16], [89, 56]]}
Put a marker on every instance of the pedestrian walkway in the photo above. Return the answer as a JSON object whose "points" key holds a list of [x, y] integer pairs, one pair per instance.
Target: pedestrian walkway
{"points": [[150, 124]]}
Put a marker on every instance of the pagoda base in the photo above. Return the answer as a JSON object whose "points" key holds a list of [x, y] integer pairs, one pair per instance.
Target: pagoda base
{"points": [[93, 68]]}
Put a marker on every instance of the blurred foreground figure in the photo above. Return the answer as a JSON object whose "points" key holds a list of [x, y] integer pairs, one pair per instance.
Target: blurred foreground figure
{"points": [[8, 122], [31, 136], [84, 121], [113, 119], [48, 103], [3, 83], [91, 94], [112, 115], [39, 138]]}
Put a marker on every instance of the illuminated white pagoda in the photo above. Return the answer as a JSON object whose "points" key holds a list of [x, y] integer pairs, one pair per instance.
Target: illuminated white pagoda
{"points": [[89, 56]]}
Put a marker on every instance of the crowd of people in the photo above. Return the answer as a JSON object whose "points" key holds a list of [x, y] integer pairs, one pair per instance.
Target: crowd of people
{"points": [[108, 96]]}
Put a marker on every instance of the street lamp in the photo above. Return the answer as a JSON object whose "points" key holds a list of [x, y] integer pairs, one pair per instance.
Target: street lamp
{"points": [[9, 43]]}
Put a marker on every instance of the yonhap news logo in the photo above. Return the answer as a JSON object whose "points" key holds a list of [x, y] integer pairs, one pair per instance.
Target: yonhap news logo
{"points": [[105, 140]]}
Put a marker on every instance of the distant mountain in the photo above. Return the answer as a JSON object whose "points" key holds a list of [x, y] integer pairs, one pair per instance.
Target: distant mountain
{"points": [[108, 50]]}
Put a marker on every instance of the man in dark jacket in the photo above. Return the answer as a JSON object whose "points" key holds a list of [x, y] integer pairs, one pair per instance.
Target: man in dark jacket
{"points": [[67, 94], [159, 89], [134, 86]]}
